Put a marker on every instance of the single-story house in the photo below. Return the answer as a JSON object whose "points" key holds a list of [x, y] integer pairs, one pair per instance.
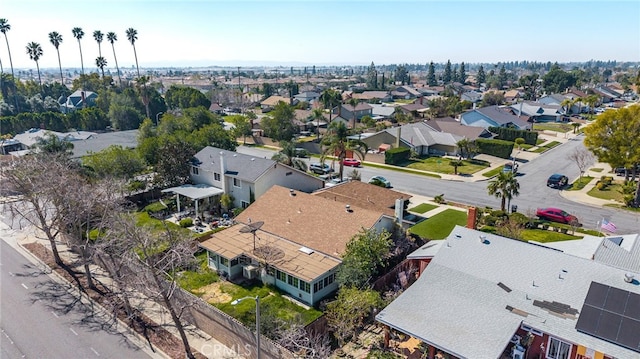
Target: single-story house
{"points": [[454, 127], [419, 136], [485, 296], [362, 109], [369, 96], [405, 92], [382, 111], [538, 112], [31, 136], [269, 103], [307, 96], [471, 96], [492, 116]]}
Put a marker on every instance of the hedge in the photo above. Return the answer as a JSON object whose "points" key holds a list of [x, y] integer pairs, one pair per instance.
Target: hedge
{"points": [[510, 134], [396, 156], [498, 148]]}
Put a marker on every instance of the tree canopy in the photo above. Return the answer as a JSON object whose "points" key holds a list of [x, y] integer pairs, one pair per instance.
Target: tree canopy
{"points": [[366, 253]]}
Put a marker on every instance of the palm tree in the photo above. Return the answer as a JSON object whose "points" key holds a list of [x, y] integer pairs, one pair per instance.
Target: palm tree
{"points": [[336, 143], [132, 35], [330, 98], [141, 84], [288, 156], [566, 105], [354, 102], [56, 39], [78, 34], [4, 27], [97, 35], [101, 62], [316, 115], [112, 37], [504, 186], [35, 52]]}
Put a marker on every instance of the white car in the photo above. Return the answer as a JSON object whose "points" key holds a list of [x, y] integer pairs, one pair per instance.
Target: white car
{"points": [[380, 181], [334, 182]]}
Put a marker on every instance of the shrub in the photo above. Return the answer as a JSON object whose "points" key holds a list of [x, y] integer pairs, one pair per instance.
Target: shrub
{"points": [[519, 218], [498, 148], [439, 199], [186, 222], [395, 156], [511, 134]]}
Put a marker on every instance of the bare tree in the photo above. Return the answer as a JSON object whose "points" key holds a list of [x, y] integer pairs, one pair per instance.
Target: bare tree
{"points": [[308, 345], [582, 157], [154, 259]]}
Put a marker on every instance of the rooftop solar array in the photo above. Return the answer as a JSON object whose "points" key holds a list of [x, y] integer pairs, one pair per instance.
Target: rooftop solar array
{"points": [[612, 314]]}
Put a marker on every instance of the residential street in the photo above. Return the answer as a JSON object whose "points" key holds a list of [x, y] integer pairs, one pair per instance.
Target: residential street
{"points": [[533, 190]]}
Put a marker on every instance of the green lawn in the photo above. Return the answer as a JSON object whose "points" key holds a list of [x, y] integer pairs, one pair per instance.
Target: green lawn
{"points": [[611, 192], [423, 208], [552, 126], [580, 183], [402, 169], [202, 276], [546, 236], [440, 225], [597, 169], [441, 165], [546, 147], [493, 172]]}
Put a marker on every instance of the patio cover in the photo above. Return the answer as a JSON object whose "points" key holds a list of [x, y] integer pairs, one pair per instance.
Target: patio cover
{"points": [[195, 192]]}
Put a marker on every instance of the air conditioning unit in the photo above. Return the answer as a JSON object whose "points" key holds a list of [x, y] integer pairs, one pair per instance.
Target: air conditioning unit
{"points": [[249, 271]]}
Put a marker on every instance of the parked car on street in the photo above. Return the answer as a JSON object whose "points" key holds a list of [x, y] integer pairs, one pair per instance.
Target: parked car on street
{"points": [[353, 162], [320, 169], [556, 215], [380, 181], [557, 180], [334, 182]]}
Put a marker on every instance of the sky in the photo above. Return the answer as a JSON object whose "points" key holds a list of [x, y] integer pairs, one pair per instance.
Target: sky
{"points": [[317, 32]]}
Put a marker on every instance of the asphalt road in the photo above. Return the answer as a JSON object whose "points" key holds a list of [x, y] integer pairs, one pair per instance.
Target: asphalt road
{"points": [[532, 177], [40, 318]]}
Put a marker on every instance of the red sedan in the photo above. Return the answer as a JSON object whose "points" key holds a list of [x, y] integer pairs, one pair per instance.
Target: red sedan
{"points": [[353, 162], [556, 215]]}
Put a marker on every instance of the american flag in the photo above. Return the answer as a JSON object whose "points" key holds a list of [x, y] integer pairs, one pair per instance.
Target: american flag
{"points": [[608, 226]]}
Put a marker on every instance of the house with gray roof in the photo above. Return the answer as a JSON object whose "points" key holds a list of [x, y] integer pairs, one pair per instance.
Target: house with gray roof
{"points": [[487, 296], [493, 116], [247, 177], [78, 100], [537, 111], [381, 111], [419, 136]]}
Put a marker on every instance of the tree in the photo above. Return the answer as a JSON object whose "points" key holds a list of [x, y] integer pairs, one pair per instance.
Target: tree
{"points": [[35, 52], [431, 75], [288, 156], [463, 74], [591, 101], [566, 105], [455, 163], [101, 62], [279, 125], [557, 80], [242, 125], [504, 186], [366, 253], [56, 39], [309, 345], [354, 104], [576, 126], [330, 98], [115, 162], [317, 115], [112, 37], [467, 148], [141, 86], [492, 98], [98, 36], [614, 137], [372, 77], [183, 97], [53, 144], [447, 77], [347, 314], [79, 34], [502, 77], [4, 28], [519, 142], [582, 158], [132, 36], [174, 162], [531, 85], [481, 77], [402, 75], [335, 143]]}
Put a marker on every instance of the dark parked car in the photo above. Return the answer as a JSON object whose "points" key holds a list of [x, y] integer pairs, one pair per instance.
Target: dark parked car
{"points": [[556, 215], [557, 180]]}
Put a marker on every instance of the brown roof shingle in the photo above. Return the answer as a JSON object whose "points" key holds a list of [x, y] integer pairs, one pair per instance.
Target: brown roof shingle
{"points": [[364, 195]]}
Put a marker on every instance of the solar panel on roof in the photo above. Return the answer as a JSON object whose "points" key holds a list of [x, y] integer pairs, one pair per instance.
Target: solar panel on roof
{"points": [[609, 325], [633, 306], [616, 300], [628, 335], [597, 295], [589, 319]]}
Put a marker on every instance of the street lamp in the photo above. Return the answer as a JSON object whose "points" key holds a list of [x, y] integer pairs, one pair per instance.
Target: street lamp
{"points": [[157, 115], [257, 299]]}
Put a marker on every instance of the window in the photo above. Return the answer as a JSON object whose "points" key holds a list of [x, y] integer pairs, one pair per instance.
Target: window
{"points": [[236, 182], [293, 281], [527, 328], [329, 279], [224, 261], [216, 176], [194, 170], [558, 349], [318, 286], [271, 271], [234, 262], [281, 276], [244, 204], [306, 287]]}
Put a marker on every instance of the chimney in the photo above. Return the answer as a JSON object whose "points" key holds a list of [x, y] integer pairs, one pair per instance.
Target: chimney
{"points": [[398, 137], [223, 170], [471, 217], [399, 210]]}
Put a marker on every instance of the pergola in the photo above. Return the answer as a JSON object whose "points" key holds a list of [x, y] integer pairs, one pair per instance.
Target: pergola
{"points": [[195, 192]]}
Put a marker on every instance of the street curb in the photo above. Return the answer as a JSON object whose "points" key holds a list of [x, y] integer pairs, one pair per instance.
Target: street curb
{"points": [[130, 332]]}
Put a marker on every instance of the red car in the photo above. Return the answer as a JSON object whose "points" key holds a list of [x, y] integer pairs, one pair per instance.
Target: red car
{"points": [[556, 215], [353, 162]]}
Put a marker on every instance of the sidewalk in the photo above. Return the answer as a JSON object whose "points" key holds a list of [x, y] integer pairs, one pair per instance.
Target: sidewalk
{"points": [[582, 195], [198, 340]]}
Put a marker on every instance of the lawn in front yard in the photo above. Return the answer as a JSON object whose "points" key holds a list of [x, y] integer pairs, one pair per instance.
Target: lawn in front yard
{"points": [[423, 208], [546, 236], [546, 147], [579, 183], [610, 192], [440, 225], [442, 165], [552, 126]]}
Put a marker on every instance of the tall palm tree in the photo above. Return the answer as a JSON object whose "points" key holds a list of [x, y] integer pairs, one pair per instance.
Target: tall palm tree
{"points": [[566, 105], [354, 103], [505, 186], [34, 50], [112, 37], [101, 62], [317, 115], [330, 98], [141, 84], [78, 34], [132, 35], [336, 143], [288, 156], [97, 35], [56, 39], [4, 27]]}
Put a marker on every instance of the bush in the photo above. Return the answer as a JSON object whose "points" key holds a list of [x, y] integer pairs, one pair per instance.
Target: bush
{"points": [[519, 218], [498, 148], [511, 134], [396, 156], [186, 222]]}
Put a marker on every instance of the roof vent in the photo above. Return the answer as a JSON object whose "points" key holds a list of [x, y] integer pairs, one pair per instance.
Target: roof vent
{"points": [[253, 158], [483, 239], [306, 250], [628, 277], [348, 208], [457, 235], [292, 192]]}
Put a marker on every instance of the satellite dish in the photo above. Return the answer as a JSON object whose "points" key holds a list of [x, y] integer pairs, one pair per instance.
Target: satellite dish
{"points": [[252, 228]]}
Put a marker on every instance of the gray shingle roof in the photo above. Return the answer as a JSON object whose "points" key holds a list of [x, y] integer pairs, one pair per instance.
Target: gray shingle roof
{"points": [[244, 167], [421, 134], [501, 117], [457, 305]]}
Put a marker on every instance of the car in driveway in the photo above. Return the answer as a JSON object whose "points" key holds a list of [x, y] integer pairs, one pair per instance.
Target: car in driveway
{"points": [[557, 180], [320, 168], [353, 162], [335, 181], [380, 181], [556, 215]]}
